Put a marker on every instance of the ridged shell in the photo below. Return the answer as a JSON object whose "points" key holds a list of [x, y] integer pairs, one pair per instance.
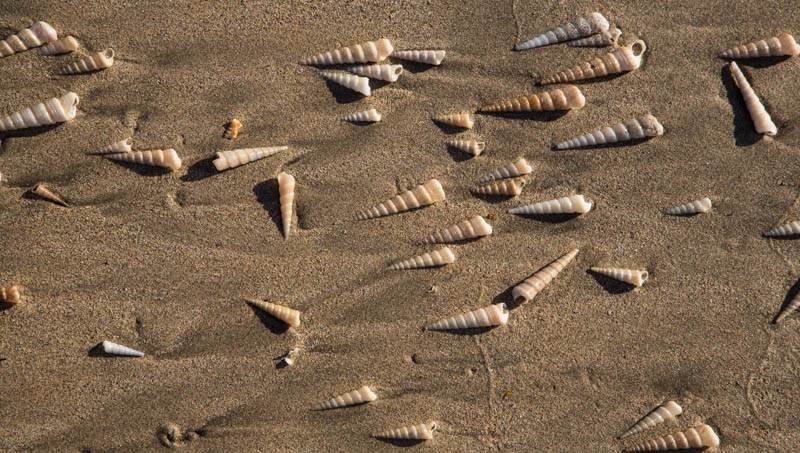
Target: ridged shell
{"points": [[631, 276], [366, 116], [602, 39], [566, 98], [237, 157], [156, 158], [387, 72], [789, 229], [117, 349], [511, 187], [519, 167], [44, 192], [10, 294], [623, 59], [666, 411], [432, 57], [286, 183], [468, 146], [463, 119], [232, 130], [362, 395], [421, 195], [36, 35], [288, 315], [772, 47], [94, 62], [55, 110], [574, 204], [122, 146], [761, 119], [700, 437], [468, 229], [531, 286], [578, 28], [695, 207], [436, 258], [423, 431], [62, 46], [646, 126], [370, 51], [493, 315], [354, 82], [790, 308]]}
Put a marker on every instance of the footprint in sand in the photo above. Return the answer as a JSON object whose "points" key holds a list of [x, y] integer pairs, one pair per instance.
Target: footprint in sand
{"points": [[171, 436]]}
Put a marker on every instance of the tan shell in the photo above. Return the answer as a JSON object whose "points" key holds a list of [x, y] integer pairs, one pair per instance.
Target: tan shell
{"points": [[468, 229], [578, 28], [36, 35], [789, 229], [156, 158], [370, 51], [772, 47], [623, 59], [568, 98], [55, 110], [354, 82], [62, 46], [463, 119], [493, 315], [237, 157], [666, 411], [288, 315], [366, 116], [519, 167], [47, 194], [423, 431], [432, 57], [511, 187], [646, 126], [362, 395], [631, 276], [761, 119], [94, 62], [602, 39], [574, 204], [421, 195], [286, 183], [790, 308], [694, 207], [387, 72], [531, 286], [232, 130], [10, 294], [468, 146], [122, 146], [699, 437], [436, 258]]}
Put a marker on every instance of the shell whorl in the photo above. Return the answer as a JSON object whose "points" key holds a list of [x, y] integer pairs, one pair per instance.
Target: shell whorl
{"points": [[566, 98], [10, 294], [623, 59], [55, 110], [519, 167], [421, 195], [463, 119], [366, 116], [167, 158], [286, 183], [467, 229], [237, 157], [356, 83], [387, 72], [422, 431], [62, 46], [646, 126], [790, 308], [94, 62], [288, 315], [47, 194], [117, 349], [431, 57], [578, 28], [771, 47], [631, 276], [436, 258], [574, 204], [789, 229], [699, 437], [602, 39], [493, 315], [531, 286], [36, 35], [370, 51], [761, 119], [468, 146], [666, 411], [694, 207], [122, 146], [362, 395], [511, 187]]}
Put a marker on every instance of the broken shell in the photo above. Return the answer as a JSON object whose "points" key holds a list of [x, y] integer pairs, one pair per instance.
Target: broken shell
{"points": [[362, 395], [771, 47], [666, 411], [288, 315], [493, 315], [55, 110], [468, 229], [370, 51], [232, 129], [62, 46], [436, 258], [699, 437], [468, 146], [94, 62], [286, 183], [354, 82], [456, 119], [789, 229], [578, 28], [366, 116], [519, 167], [631, 276], [694, 207], [122, 146], [623, 59], [421, 195], [432, 57], [423, 431], [761, 119], [511, 187], [36, 35], [116, 349], [602, 39], [44, 192], [568, 98], [531, 286], [646, 126], [387, 72], [574, 204], [156, 158], [10, 294], [237, 157]]}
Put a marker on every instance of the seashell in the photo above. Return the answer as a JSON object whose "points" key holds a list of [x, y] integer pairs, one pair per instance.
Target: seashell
{"points": [[156, 158], [288, 315], [94, 62], [421, 195], [387, 72], [62, 46], [117, 349], [700, 437], [493, 315], [432, 259], [578, 28], [286, 185], [511, 187], [463, 119], [55, 110], [519, 167], [574, 204], [666, 411], [354, 82], [36, 35], [423, 431], [771, 47], [366, 116], [362, 395], [789, 229], [531, 286], [290, 356], [44, 192], [370, 51], [471, 228], [694, 207], [761, 119], [634, 277], [232, 130], [237, 157], [568, 98], [468, 146], [10, 294], [646, 126], [790, 308], [625, 58], [432, 57], [602, 39], [122, 146]]}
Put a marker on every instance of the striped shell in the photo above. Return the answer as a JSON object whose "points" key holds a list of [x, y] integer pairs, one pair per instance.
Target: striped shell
{"points": [[94, 62], [623, 59], [519, 167], [531, 286], [370, 51], [421, 195], [456, 119], [122, 146], [62, 46], [432, 57], [423, 431], [646, 126], [55, 110], [468, 229], [700, 437], [362, 395], [574, 204], [578, 28], [790, 308], [354, 82], [568, 98], [288, 315], [512, 187], [772, 47], [493, 315], [666, 411], [232, 129], [761, 119], [436, 258], [789, 229], [468, 146], [156, 158], [695, 207], [366, 116], [602, 39], [47, 194], [631, 276], [36, 35], [117, 349], [10, 294], [387, 72], [237, 157], [286, 183]]}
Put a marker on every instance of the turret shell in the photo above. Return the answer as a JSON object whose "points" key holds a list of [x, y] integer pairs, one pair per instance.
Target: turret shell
{"points": [[286, 183], [463, 119], [789, 229], [117, 349], [699, 437], [771, 47], [511, 187], [36, 35], [695, 207], [468, 146], [761, 119], [94, 62], [436, 258], [237, 157], [602, 39], [10, 294], [122, 146], [664, 412], [47, 194], [387, 72], [55, 110], [519, 167], [493, 315], [366, 116], [578, 28], [568, 98], [468, 229], [362, 395], [422, 431], [288, 315], [574, 204], [62, 46], [623, 59], [421, 195], [636, 128], [156, 158], [370, 51], [531, 286], [354, 82], [431, 57], [631, 276]]}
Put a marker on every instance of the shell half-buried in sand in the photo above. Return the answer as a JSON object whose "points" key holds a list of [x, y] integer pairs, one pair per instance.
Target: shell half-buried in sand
{"points": [[519, 167], [237, 157], [623, 59], [493, 315], [95, 62], [574, 204], [36, 35], [631, 276], [367, 52], [578, 28], [421, 195], [789, 229], [694, 207], [366, 116], [286, 183], [635, 128], [431, 57], [761, 119], [772, 47], [566, 98], [55, 110], [62, 46], [386, 72], [422, 431], [666, 411], [474, 227], [702, 436], [288, 315], [462, 119], [166, 158], [531, 286], [436, 258], [362, 395]]}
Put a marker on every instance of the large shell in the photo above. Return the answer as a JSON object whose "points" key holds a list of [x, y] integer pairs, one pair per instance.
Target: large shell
{"points": [[623, 59], [366, 116], [789, 229], [436, 258], [578, 28], [631, 276], [700, 437], [511, 187], [47, 194], [646, 126], [666, 411], [574, 204], [421, 195], [354, 82], [55, 110], [790, 308], [122, 146], [232, 129], [362, 395], [432, 57], [237, 157], [695, 207], [62, 46], [117, 349], [493, 315], [423, 431], [761, 119], [531, 286], [288, 315], [370, 51], [387, 72], [471, 228], [519, 167], [468, 146], [771, 47], [156, 158], [602, 39], [286, 183], [10, 294], [94, 62], [566, 98], [462, 119], [38, 34]]}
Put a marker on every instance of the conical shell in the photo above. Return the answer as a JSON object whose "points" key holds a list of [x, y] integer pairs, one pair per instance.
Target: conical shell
{"points": [[761, 119], [421, 195], [772, 47], [623, 59], [354, 82], [519, 167], [789, 229], [468, 146], [36, 35], [62, 46], [700, 437], [436, 258], [237, 157], [122, 146], [694, 207], [793, 305], [468, 229], [286, 185], [631, 276], [602, 39], [531, 286], [370, 51], [666, 411], [232, 130], [117, 349], [574, 204], [646, 126], [156, 158], [288, 315], [55, 110], [512, 187], [362, 395], [432, 57], [463, 119], [366, 116], [387, 72], [10, 294], [94, 62], [493, 315], [423, 431], [578, 28], [568, 98], [44, 192]]}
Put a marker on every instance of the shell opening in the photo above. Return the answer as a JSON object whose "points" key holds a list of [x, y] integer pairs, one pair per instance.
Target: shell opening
{"points": [[480, 146], [398, 70], [644, 275], [503, 306], [109, 53], [638, 47], [433, 426], [129, 141]]}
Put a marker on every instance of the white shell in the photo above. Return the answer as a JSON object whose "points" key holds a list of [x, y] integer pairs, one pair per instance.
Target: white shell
{"points": [[370, 51], [421, 195], [631, 276], [291, 356], [789, 229], [519, 167], [122, 146], [790, 308], [366, 116], [432, 57], [468, 146], [44, 192], [666, 411], [566, 205], [288, 315], [623, 59], [511, 187], [700, 437], [286, 183], [423, 431], [646, 126], [568, 98], [237, 157], [431, 259], [362, 395], [387, 72], [116, 349], [156, 158], [62, 46], [471, 228], [578, 28], [772, 47], [602, 39], [94, 62], [695, 207], [761, 119], [493, 315], [463, 119], [354, 82], [38, 34], [55, 110], [531, 286]]}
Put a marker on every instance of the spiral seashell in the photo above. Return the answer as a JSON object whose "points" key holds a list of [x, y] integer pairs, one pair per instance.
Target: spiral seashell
{"points": [[761, 119], [47, 194], [36, 35], [695, 207], [122, 146], [370, 51], [362, 395], [789, 229], [286, 184], [237, 157], [519, 167], [631, 276], [367, 116], [772, 47], [432, 57], [423, 431], [421, 195], [602, 39], [354, 82], [463, 119], [623, 59], [700, 437], [387, 72], [117, 349], [568, 98], [531, 286], [156, 158], [232, 130], [10, 294], [436, 258], [790, 308], [62, 46], [493, 315], [511, 187], [666, 411], [578, 28], [468, 146], [468, 229], [94, 62], [646, 126], [288, 315], [574, 204], [55, 110]]}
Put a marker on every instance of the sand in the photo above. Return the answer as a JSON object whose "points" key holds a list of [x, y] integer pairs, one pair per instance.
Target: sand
{"points": [[161, 261]]}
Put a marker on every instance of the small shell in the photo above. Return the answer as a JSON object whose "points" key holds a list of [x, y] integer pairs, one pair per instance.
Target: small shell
{"points": [[232, 129], [512, 187], [790, 308], [286, 183], [354, 82], [432, 57], [423, 431], [387, 72], [772, 47], [623, 59], [646, 126], [695, 207], [789, 229], [467, 229], [631, 276], [62, 46], [468, 146], [237, 157], [493, 315], [421, 195], [362, 395], [44, 192], [36, 35], [519, 167], [10, 294], [700, 437], [574, 204], [666, 411], [531, 286], [94, 62], [578, 28], [463, 119], [156, 158], [602, 39], [116, 349], [291, 356], [122, 146], [288, 315], [761, 119], [366, 116], [370, 51], [568, 98], [436, 258], [55, 110]]}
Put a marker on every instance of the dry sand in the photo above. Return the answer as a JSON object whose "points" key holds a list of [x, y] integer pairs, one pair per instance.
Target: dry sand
{"points": [[160, 261]]}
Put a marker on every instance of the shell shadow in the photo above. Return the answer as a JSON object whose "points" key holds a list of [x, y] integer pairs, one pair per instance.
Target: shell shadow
{"points": [[793, 292], [609, 284], [605, 78], [693, 214], [342, 94], [266, 193], [413, 67], [624, 144], [457, 155], [507, 298], [493, 199], [544, 117], [790, 237], [757, 62], [448, 128], [274, 325], [144, 170], [97, 351], [471, 331], [743, 131], [5, 306], [401, 442], [550, 218], [29, 131], [200, 170]]}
